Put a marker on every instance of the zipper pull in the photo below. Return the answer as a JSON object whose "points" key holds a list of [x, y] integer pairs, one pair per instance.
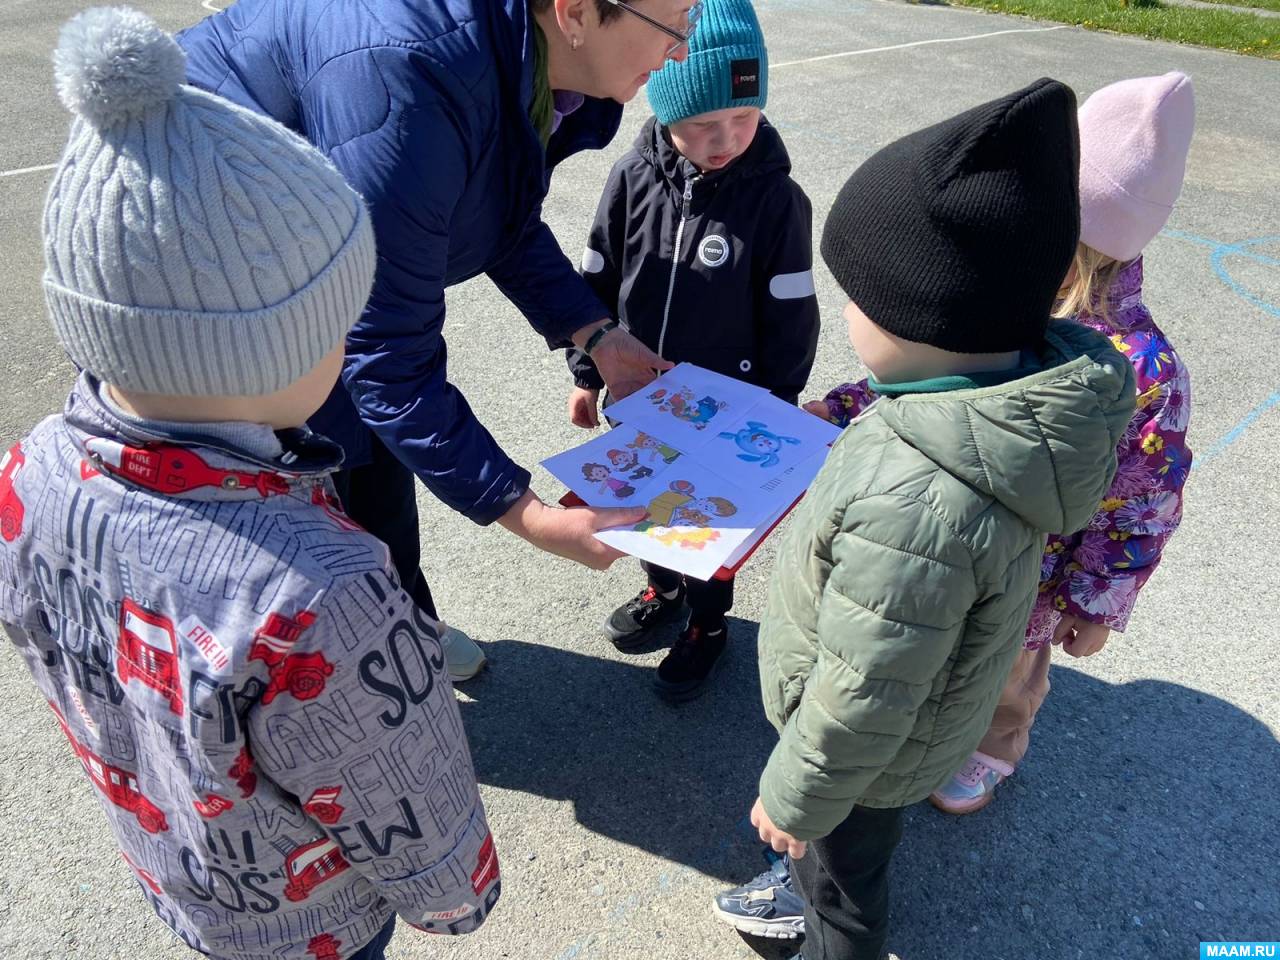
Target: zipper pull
{"points": [[688, 191]]}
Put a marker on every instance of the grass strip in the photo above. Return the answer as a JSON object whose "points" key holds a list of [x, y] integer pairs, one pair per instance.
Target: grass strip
{"points": [[1256, 4], [1221, 29]]}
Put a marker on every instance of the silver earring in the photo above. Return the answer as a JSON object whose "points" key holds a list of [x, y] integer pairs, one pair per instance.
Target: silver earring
{"points": [[573, 43]]}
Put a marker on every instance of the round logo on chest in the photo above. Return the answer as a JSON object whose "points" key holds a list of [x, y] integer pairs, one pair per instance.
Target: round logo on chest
{"points": [[714, 250]]}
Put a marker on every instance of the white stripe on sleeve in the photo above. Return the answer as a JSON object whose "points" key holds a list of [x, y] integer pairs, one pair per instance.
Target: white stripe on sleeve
{"points": [[792, 286]]}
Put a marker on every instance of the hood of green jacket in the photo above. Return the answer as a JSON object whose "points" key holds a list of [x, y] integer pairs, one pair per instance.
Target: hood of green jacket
{"points": [[1031, 443]]}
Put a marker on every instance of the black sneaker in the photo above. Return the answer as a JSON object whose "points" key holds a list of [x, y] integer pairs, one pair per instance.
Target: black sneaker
{"points": [[684, 672], [629, 625]]}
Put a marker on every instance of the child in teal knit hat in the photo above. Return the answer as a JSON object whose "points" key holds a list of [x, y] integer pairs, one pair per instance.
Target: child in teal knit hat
{"points": [[702, 246], [726, 70]]}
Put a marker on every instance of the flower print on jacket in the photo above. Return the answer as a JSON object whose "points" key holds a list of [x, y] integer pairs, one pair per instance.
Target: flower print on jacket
{"points": [[847, 401], [1138, 553], [1175, 412], [1092, 550], [1106, 599], [1133, 478], [1050, 560], [1045, 618], [1177, 464], [1152, 514], [1149, 349], [1099, 572]]}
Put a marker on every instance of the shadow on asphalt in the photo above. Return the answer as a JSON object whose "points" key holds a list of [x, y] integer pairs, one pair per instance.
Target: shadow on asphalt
{"points": [[1136, 802], [1134, 828], [674, 780]]}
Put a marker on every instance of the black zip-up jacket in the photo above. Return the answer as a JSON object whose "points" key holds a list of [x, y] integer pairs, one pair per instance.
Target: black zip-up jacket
{"points": [[738, 296]]}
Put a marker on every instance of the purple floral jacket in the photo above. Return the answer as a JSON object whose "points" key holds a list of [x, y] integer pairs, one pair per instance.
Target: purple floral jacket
{"points": [[1096, 574]]}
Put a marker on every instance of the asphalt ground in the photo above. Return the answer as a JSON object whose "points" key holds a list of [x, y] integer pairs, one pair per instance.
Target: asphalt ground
{"points": [[1144, 819]]}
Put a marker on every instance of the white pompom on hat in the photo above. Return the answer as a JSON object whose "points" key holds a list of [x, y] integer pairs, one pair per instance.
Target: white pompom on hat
{"points": [[192, 247], [1134, 140], [113, 63]]}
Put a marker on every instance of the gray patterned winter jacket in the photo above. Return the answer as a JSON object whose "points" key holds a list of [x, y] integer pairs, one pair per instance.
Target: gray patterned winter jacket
{"points": [[262, 712]]}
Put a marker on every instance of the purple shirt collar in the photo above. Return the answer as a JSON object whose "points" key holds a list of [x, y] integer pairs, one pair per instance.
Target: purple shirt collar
{"points": [[564, 103]]}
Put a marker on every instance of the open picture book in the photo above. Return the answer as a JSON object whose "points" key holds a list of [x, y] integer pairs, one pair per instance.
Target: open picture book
{"points": [[716, 462]]}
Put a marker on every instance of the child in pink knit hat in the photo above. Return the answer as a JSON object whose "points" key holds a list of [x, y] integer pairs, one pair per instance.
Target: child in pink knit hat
{"points": [[1134, 138]]}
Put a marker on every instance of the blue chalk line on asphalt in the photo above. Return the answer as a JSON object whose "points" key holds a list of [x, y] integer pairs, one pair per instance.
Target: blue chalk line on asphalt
{"points": [[1219, 252], [1234, 434]]}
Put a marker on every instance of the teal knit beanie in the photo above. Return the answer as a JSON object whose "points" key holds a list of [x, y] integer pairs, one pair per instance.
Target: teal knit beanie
{"points": [[728, 66]]}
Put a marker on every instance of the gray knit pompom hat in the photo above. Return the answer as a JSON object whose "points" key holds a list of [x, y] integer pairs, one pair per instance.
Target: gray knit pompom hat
{"points": [[192, 247]]}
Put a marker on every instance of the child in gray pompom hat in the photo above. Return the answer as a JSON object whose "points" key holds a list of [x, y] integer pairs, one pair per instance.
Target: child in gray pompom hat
{"points": [[226, 652], [192, 247]]}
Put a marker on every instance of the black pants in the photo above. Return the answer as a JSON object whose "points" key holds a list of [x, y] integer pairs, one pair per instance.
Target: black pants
{"points": [[844, 879], [381, 497], [708, 601]]}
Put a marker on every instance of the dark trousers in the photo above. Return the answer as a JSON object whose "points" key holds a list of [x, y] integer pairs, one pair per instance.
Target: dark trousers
{"points": [[844, 879], [381, 497], [708, 601], [376, 949]]}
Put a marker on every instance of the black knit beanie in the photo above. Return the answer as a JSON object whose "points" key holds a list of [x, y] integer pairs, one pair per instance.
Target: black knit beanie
{"points": [[959, 235]]}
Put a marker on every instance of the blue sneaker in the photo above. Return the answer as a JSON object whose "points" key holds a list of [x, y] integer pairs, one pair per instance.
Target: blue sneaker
{"points": [[768, 906]]}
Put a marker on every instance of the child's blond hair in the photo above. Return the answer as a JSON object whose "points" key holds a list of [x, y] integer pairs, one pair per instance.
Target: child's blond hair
{"points": [[1093, 273]]}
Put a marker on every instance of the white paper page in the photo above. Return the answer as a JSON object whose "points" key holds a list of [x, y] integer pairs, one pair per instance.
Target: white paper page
{"points": [[616, 469], [756, 534], [686, 405], [696, 520], [715, 461], [770, 447]]}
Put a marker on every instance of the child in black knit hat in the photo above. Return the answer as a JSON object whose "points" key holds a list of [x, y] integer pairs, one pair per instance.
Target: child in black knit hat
{"points": [[900, 594]]}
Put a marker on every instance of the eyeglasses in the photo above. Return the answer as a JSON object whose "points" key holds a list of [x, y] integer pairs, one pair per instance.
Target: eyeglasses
{"points": [[695, 12]]}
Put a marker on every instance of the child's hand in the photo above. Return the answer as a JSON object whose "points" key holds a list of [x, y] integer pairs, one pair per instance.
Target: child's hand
{"points": [[780, 840], [583, 408], [1080, 637], [819, 409]]}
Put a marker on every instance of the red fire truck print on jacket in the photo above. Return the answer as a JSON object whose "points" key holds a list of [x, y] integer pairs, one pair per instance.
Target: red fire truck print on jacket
{"points": [[288, 796], [142, 875], [302, 675], [486, 870], [311, 865], [11, 508], [332, 508], [115, 783], [242, 773], [212, 805], [172, 470], [147, 650], [323, 805], [324, 947]]}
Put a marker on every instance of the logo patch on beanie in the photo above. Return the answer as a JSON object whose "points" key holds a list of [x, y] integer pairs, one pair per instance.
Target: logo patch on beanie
{"points": [[713, 251], [745, 77]]}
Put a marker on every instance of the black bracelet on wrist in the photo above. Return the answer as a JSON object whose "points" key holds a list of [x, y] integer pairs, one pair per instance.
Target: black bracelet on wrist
{"points": [[594, 340]]}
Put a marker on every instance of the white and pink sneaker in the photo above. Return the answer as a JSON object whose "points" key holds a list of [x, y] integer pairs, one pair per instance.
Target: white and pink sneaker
{"points": [[973, 786]]}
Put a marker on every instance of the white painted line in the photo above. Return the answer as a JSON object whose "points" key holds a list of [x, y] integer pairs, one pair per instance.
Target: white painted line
{"points": [[208, 5], [918, 43], [20, 170]]}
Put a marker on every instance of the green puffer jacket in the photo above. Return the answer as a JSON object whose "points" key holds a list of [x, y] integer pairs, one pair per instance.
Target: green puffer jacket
{"points": [[901, 593]]}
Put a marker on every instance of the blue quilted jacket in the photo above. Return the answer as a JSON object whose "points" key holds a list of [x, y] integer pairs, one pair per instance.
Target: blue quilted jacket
{"points": [[423, 105]]}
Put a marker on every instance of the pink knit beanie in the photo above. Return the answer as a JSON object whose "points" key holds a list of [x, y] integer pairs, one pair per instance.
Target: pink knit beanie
{"points": [[1134, 137]]}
